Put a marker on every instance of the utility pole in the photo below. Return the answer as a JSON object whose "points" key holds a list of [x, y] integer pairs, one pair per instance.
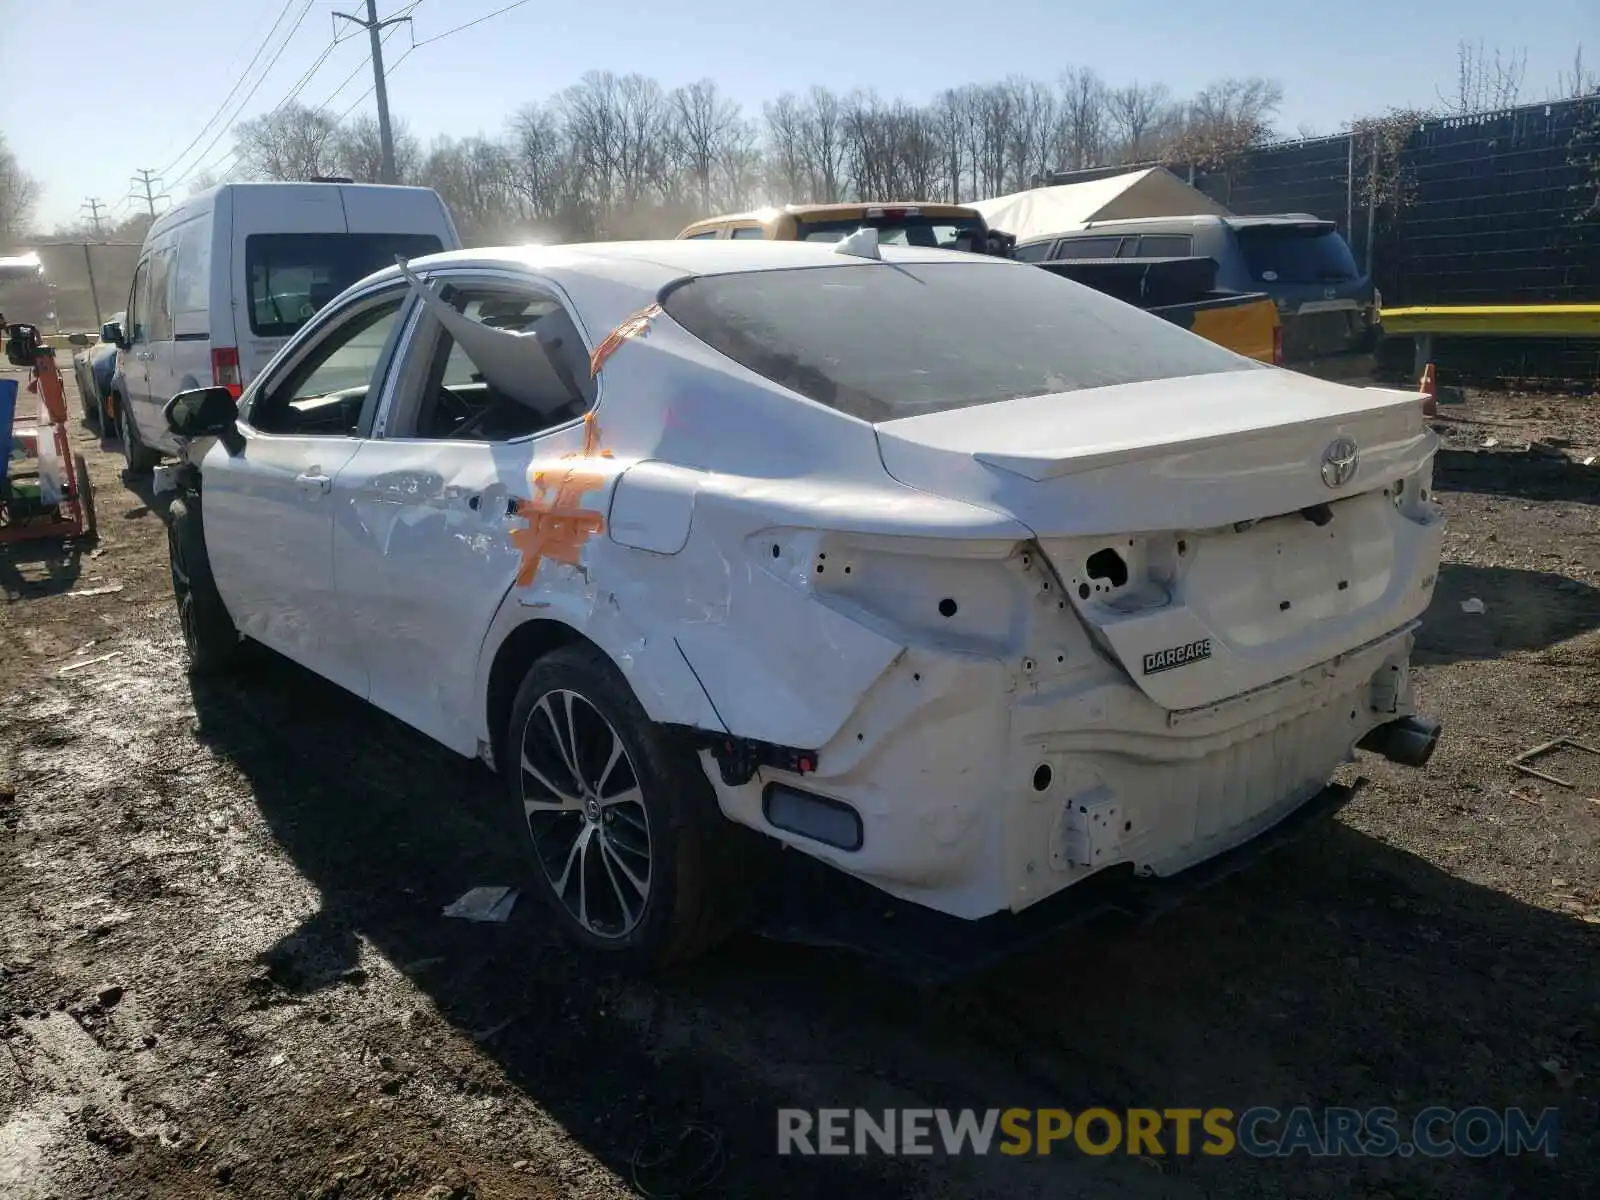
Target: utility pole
{"points": [[145, 178], [373, 26], [94, 206]]}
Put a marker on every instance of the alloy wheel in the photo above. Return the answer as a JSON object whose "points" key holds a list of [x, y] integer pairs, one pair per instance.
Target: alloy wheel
{"points": [[585, 812]]}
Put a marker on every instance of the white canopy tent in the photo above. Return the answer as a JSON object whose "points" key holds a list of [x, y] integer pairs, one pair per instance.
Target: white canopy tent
{"points": [[1040, 212]]}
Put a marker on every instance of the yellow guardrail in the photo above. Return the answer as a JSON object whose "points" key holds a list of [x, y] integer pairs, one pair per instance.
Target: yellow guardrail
{"points": [[1494, 320]]}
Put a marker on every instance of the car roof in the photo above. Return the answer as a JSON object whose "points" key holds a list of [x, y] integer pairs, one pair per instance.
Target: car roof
{"points": [[848, 208], [610, 281], [665, 261], [1176, 221]]}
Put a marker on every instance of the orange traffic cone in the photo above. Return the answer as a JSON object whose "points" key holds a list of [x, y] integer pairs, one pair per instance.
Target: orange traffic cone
{"points": [[1430, 391]]}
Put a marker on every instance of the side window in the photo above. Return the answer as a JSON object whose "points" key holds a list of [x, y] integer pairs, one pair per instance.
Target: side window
{"points": [[192, 290], [160, 319], [323, 394], [452, 398], [1165, 245], [1088, 247], [1033, 252], [137, 301], [699, 237], [749, 231]]}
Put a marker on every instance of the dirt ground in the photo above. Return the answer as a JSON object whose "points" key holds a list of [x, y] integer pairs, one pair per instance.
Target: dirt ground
{"points": [[224, 970]]}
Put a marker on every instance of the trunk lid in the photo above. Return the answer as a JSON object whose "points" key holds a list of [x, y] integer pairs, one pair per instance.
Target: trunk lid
{"points": [[1190, 521]]}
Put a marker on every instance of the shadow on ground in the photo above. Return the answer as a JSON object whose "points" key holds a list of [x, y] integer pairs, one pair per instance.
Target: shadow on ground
{"points": [[1527, 475], [1522, 610], [1340, 972], [46, 567]]}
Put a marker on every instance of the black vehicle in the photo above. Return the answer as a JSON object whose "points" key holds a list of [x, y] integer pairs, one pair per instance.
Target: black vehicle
{"points": [[1328, 308]]}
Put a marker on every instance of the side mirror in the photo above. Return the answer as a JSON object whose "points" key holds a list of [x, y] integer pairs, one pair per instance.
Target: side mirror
{"points": [[205, 412], [110, 332], [77, 339]]}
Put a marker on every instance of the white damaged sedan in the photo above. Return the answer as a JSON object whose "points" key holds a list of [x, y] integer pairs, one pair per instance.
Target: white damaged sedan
{"points": [[956, 575]]}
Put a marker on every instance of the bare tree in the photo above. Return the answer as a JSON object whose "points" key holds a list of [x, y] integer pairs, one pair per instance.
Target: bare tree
{"points": [[590, 111], [1082, 121], [644, 150], [1582, 80], [358, 150], [706, 124], [542, 174], [1485, 83], [1225, 119], [822, 146], [1029, 136], [952, 116], [19, 192], [990, 132], [474, 178], [289, 143], [1135, 111], [740, 168], [785, 121]]}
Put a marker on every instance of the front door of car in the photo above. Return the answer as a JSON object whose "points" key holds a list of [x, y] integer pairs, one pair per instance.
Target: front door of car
{"points": [[157, 389], [269, 507], [133, 360], [423, 547]]}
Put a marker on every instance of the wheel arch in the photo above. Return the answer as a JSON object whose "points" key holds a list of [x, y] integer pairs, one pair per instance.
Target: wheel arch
{"points": [[653, 667]]}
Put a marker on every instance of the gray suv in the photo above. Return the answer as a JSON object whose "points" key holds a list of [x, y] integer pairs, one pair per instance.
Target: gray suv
{"points": [[1328, 308]]}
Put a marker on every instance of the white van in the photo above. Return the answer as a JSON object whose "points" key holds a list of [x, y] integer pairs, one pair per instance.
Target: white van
{"points": [[226, 276]]}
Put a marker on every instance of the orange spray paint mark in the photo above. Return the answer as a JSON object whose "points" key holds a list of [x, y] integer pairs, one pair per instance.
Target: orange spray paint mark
{"points": [[557, 525], [637, 325]]}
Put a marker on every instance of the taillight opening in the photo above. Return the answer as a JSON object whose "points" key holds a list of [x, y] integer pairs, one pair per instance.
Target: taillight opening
{"points": [[225, 371]]}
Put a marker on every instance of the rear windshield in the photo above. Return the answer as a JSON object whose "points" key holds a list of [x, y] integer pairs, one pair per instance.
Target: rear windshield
{"points": [[1296, 255], [931, 232], [884, 340], [292, 275]]}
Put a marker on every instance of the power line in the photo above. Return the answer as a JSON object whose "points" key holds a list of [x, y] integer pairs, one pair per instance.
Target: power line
{"points": [[393, 67], [438, 37], [251, 93], [243, 75], [348, 79], [468, 25], [300, 83]]}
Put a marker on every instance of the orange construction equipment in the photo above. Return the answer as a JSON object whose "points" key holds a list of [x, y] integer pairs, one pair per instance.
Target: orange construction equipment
{"points": [[1430, 388], [54, 500]]}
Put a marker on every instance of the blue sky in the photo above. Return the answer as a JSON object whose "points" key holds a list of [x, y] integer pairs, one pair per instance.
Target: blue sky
{"points": [[161, 78]]}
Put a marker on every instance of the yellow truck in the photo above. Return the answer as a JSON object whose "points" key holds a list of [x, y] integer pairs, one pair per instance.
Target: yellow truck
{"points": [[1178, 290]]}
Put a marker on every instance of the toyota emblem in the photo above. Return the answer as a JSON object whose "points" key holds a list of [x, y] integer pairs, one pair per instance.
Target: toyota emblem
{"points": [[1339, 462]]}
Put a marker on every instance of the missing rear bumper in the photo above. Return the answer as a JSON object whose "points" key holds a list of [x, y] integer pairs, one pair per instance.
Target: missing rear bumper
{"points": [[819, 905]]}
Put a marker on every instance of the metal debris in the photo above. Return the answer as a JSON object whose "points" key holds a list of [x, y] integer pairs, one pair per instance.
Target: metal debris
{"points": [[97, 591], [491, 904]]}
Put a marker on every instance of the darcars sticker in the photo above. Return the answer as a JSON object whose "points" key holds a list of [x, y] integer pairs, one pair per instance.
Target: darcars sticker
{"points": [[1177, 656]]}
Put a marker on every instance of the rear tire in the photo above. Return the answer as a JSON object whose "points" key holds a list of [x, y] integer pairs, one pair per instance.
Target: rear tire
{"points": [[625, 842], [90, 403], [141, 460], [209, 634]]}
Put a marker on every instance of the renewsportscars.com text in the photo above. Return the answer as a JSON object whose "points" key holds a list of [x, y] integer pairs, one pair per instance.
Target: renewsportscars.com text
{"points": [[1259, 1132]]}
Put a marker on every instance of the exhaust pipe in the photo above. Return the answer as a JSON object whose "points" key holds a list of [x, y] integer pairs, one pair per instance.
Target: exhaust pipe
{"points": [[1409, 741]]}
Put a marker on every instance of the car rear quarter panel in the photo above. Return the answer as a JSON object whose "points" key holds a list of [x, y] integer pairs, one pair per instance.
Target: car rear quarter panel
{"points": [[708, 470]]}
